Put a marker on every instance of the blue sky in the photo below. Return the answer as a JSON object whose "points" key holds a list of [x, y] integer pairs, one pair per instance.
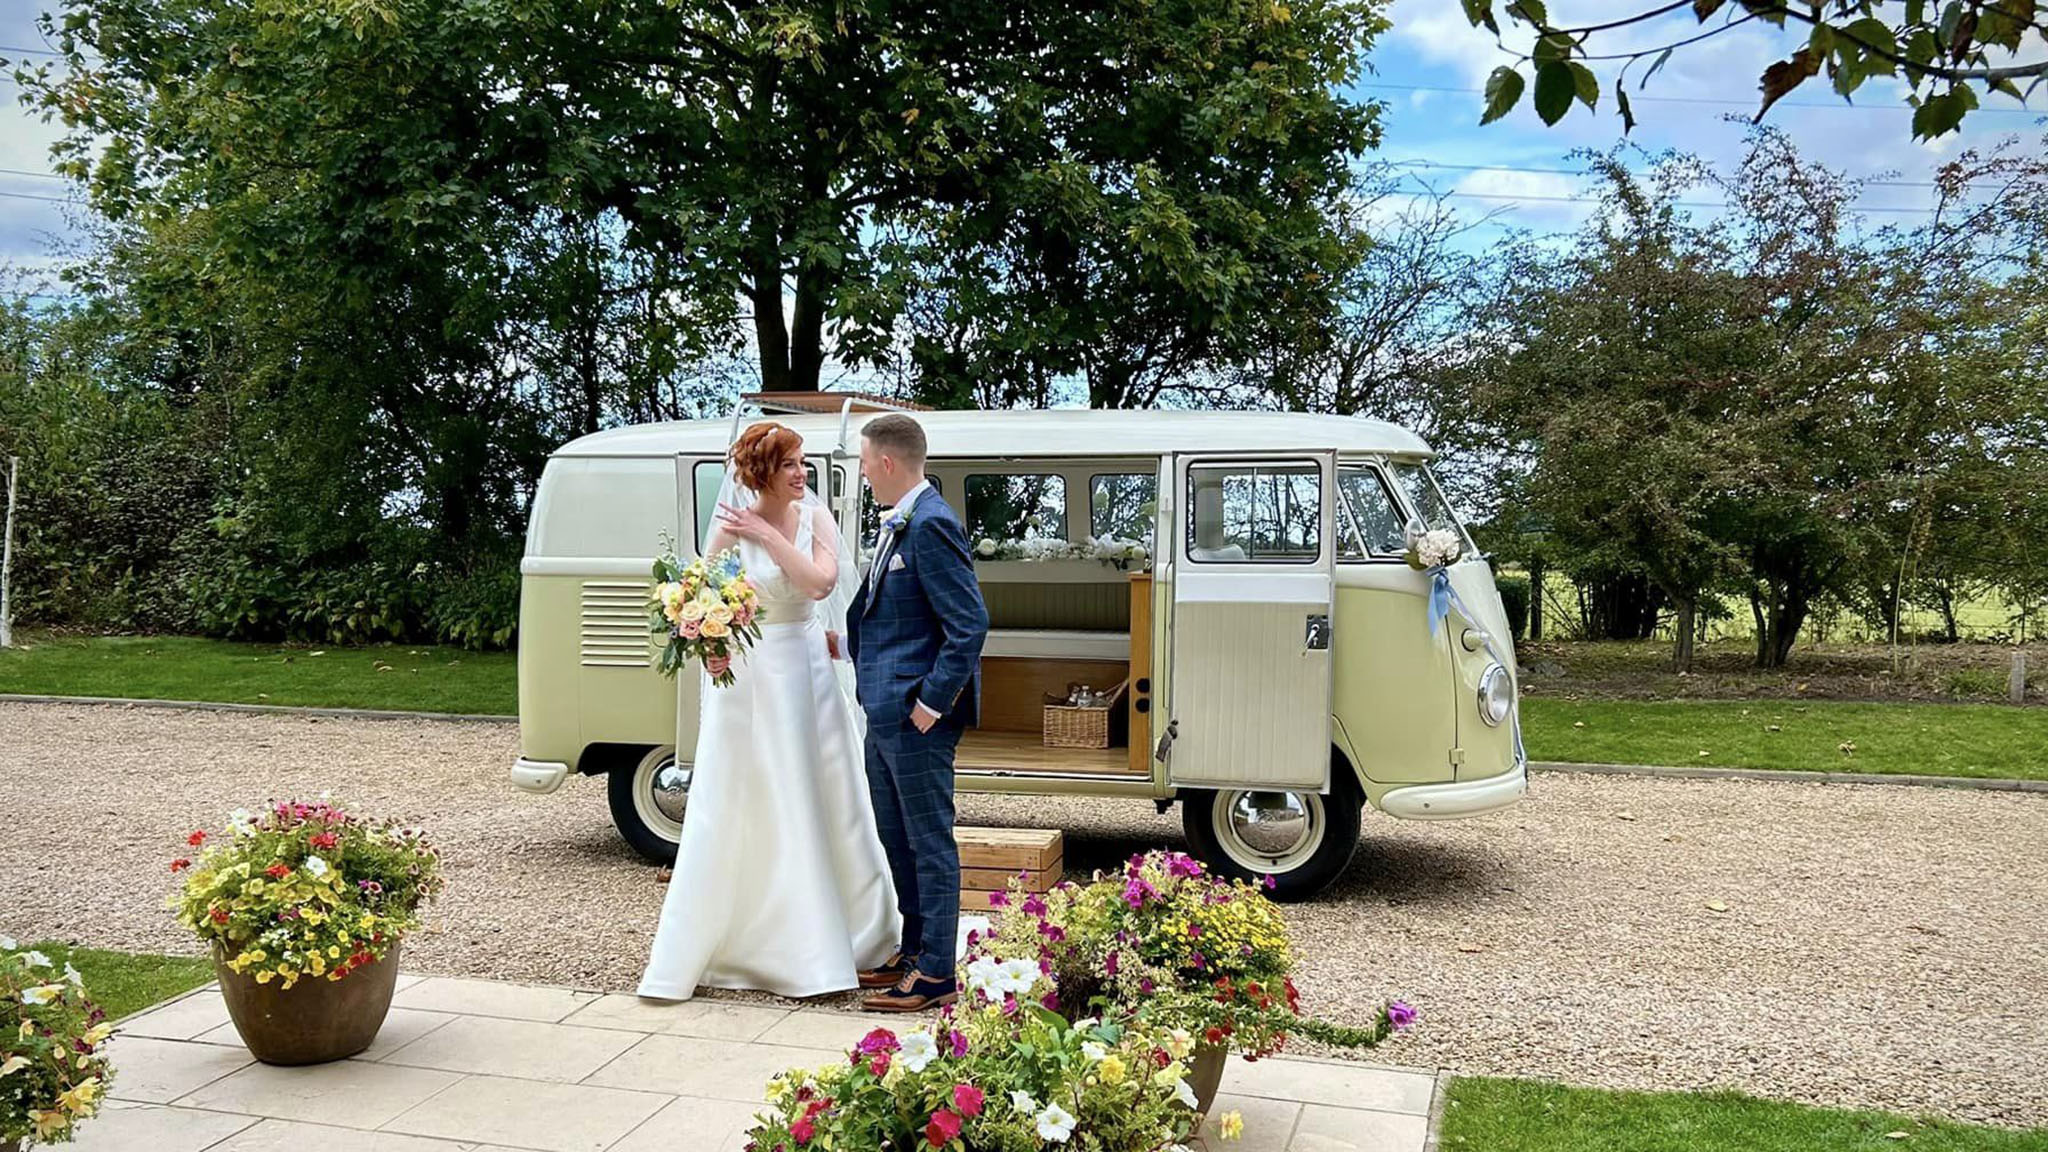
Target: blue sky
{"points": [[1431, 48]]}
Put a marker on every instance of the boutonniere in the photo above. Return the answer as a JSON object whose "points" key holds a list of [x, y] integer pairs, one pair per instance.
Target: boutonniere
{"points": [[896, 521]]}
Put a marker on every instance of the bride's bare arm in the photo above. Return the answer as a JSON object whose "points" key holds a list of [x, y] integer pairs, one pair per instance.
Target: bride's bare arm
{"points": [[815, 573]]}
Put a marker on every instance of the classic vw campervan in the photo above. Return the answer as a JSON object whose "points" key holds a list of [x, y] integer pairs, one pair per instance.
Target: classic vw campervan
{"points": [[1230, 586]]}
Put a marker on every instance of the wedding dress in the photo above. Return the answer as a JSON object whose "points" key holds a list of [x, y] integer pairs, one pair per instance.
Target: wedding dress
{"points": [[780, 883]]}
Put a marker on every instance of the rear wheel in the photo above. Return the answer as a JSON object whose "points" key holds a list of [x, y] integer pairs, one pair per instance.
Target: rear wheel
{"points": [[1302, 840], [649, 795]]}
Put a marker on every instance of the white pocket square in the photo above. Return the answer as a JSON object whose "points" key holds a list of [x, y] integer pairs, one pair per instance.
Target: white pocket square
{"points": [[895, 563]]}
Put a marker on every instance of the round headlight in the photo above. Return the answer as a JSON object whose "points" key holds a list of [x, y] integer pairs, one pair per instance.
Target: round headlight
{"points": [[1496, 695]]}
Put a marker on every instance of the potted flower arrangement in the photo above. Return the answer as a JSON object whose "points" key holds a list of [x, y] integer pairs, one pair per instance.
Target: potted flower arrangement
{"points": [[997, 1073], [53, 1072], [1180, 947], [304, 907]]}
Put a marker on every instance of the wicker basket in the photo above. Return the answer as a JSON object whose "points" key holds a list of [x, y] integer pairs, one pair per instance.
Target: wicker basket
{"points": [[1069, 727]]}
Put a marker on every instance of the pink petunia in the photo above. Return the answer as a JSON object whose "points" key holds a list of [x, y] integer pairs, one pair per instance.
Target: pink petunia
{"points": [[968, 1100], [945, 1126]]}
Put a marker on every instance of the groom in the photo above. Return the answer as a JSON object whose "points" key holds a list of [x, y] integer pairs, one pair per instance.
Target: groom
{"points": [[915, 632]]}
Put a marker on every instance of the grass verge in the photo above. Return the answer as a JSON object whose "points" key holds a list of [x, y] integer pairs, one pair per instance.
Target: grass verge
{"points": [[1530, 1116], [123, 983]]}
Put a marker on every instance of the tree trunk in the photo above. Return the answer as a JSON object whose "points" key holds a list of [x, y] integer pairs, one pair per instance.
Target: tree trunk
{"points": [[1793, 607], [1763, 627], [1945, 598], [1683, 633], [1536, 601]]}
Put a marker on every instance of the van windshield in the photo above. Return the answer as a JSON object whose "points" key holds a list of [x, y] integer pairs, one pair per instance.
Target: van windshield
{"points": [[1427, 499]]}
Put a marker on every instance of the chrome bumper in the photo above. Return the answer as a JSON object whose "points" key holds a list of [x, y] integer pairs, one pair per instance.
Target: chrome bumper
{"points": [[538, 776], [1455, 800]]}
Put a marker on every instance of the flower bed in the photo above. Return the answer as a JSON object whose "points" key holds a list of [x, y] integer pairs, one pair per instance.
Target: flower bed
{"points": [[53, 1073]]}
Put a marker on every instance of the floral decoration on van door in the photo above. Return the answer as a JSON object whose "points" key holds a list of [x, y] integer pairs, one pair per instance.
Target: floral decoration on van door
{"points": [[1434, 549], [707, 610]]}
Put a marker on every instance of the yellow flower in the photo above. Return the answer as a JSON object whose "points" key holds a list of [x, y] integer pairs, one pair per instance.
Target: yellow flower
{"points": [[1231, 1125], [1112, 1069], [717, 629], [49, 1123], [14, 1064], [367, 922], [1179, 1042], [718, 614], [264, 977], [333, 952], [28, 1029], [98, 1032], [81, 1096]]}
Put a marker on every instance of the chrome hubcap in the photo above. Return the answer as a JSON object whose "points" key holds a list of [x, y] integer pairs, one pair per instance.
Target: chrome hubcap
{"points": [[1269, 831], [662, 793]]}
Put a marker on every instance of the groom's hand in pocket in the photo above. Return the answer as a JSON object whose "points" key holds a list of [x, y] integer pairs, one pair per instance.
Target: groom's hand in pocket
{"points": [[923, 717]]}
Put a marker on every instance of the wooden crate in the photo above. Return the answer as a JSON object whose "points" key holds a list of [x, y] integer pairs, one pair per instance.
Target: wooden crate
{"points": [[991, 857]]}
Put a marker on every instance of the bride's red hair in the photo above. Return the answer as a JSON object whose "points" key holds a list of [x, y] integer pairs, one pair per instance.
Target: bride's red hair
{"points": [[760, 451]]}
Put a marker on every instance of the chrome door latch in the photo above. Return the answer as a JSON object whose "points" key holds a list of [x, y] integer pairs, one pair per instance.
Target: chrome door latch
{"points": [[1166, 741], [1318, 639]]}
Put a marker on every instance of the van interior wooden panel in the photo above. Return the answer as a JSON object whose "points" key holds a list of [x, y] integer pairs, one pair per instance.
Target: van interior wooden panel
{"points": [[1013, 689], [1103, 606], [1140, 744], [986, 751]]}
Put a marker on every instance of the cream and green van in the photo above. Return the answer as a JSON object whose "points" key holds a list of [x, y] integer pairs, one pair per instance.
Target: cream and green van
{"points": [[1273, 667]]}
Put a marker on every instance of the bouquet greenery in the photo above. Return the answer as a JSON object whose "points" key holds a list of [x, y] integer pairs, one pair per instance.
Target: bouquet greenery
{"points": [[1178, 945], [306, 890], [53, 1073]]}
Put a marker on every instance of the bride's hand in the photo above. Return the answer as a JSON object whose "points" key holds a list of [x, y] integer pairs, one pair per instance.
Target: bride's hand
{"points": [[744, 523], [717, 665]]}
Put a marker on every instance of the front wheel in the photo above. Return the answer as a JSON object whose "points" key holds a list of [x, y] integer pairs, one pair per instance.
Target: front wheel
{"points": [[648, 797], [1303, 840]]}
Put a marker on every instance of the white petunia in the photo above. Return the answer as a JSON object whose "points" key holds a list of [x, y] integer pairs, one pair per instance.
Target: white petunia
{"points": [[35, 960], [1055, 1123], [919, 1049], [7, 944], [983, 976], [41, 993], [1185, 1095], [1023, 1102], [317, 867], [71, 975], [1017, 977], [1093, 1051], [242, 822]]}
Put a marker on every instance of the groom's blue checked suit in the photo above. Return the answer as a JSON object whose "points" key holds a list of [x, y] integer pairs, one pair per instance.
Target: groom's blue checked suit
{"points": [[915, 633]]}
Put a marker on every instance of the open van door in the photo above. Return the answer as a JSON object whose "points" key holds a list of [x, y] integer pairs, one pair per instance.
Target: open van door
{"points": [[1253, 586]]}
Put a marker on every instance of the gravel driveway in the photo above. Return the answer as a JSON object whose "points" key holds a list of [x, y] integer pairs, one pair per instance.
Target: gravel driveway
{"points": [[1866, 946]]}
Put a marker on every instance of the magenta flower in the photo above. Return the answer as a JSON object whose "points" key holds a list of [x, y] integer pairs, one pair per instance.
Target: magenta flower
{"points": [[1137, 891], [1180, 864], [1109, 965], [967, 1100], [958, 1044], [1269, 882], [1034, 905], [1400, 1015], [998, 900], [880, 1040]]}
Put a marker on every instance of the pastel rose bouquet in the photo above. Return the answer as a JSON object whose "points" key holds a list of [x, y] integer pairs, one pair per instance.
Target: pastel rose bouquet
{"points": [[53, 1066], [996, 1073], [707, 610], [1435, 548], [1176, 944], [305, 890]]}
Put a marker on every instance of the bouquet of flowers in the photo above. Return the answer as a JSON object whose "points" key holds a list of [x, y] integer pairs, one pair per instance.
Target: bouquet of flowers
{"points": [[305, 890], [708, 610], [1435, 548], [1175, 944], [996, 1072], [53, 1072]]}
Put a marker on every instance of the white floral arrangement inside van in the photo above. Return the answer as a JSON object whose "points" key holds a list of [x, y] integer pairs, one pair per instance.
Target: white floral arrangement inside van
{"points": [[1112, 550]]}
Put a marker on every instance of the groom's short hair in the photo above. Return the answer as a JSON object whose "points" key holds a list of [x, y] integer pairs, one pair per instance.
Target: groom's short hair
{"points": [[899, 436]]}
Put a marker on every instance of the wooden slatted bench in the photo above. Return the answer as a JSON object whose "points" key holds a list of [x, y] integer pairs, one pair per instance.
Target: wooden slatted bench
{"points": [[991, 857]]}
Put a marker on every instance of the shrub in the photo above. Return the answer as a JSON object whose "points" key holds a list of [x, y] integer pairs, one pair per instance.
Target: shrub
{"points": [[1514, 597]]}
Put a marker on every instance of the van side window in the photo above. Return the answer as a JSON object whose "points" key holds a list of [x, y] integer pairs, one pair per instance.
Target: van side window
{"points": [[708, 475], [1255, 513], [1121, 506], [1372, 521], [871, 516], [1017, 506]]}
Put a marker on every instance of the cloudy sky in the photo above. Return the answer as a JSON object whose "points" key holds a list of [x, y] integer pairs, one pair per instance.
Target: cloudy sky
{"points": [[1428, 71]]}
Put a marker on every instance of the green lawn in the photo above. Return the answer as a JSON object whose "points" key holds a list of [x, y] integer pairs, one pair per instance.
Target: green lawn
{"points": [[418, 679], [1818, 735], [1528, 1116], [123, 983], [1802, 735]]}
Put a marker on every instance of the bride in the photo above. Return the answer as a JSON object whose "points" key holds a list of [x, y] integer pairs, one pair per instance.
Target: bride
{"points": [[780, 884]]}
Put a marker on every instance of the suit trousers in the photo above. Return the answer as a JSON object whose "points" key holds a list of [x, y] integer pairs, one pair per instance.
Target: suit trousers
{"points": [[910, 776]]}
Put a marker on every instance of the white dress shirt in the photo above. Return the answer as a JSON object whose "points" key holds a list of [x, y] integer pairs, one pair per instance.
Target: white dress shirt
{"points": [[885, 547]]}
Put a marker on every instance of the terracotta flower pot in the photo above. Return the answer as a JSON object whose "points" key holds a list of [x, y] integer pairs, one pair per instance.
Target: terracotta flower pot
{"points": [[313, 1021], [1205, 1074]]}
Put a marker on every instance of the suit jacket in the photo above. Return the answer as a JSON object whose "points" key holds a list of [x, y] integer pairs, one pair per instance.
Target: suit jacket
{"points": [[916, 634]]}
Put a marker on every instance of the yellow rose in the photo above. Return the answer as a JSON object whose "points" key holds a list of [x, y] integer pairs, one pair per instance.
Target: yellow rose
{"points": [[716, 629], [718, 613]]}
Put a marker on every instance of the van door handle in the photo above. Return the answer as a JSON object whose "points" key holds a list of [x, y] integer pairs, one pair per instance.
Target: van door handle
{"points": [[1318, 639], [1166, 741]]}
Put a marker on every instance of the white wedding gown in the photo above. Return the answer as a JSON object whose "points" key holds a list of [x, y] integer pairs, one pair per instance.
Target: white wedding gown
{"points": [[780, 883]]}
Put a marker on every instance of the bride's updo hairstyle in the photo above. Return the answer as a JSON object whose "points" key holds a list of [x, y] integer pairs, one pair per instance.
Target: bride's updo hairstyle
{"points": [[759, 452]]}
